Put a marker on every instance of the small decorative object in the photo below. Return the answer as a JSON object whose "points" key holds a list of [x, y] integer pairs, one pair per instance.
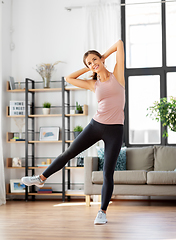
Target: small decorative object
{"points": [[77, 130], [45, 70], [16, 162], [19, 85], [20, 122], [80, 161], [17, 108], [49, 134], [12, 83], [72, 111], [46, 108], [166, 112], [78, 108], [48, 161], [43, 163], [16, 186]]}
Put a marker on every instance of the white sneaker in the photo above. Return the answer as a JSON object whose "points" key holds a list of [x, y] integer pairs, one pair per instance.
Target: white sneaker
{"points": [[100, 218], [35, 180]]}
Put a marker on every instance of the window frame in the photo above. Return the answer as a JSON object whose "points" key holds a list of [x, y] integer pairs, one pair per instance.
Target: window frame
{"points": [[161, 71]]}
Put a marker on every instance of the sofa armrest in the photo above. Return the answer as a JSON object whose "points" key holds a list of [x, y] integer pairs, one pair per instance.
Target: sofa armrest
{"points": [[90, 164]]}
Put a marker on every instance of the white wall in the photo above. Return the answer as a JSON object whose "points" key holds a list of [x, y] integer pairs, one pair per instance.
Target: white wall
{"points": [[43, 32], [6, 70]]}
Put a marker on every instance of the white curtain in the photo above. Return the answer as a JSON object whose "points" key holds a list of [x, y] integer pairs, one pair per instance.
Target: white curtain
{"points": [[102, 30], [102, 26], [2, 180]]}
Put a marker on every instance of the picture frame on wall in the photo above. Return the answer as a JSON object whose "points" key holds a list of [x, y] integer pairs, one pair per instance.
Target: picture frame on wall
{"points": [[49, 134], [16, 186]]}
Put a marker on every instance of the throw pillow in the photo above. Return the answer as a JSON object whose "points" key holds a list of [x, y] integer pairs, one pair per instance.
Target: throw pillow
{"points": [[121, 160]]}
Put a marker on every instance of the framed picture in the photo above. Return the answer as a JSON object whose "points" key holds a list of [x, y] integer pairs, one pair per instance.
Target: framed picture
{"points": [[12, 83], [16, 162], [49, 134], [16, 186]]}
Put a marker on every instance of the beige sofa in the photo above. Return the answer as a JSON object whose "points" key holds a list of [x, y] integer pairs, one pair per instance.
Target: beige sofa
{"points": [[149, 172]]}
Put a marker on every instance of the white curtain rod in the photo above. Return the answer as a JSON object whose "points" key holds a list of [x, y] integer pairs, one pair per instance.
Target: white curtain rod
{"points": [[123, 4]]}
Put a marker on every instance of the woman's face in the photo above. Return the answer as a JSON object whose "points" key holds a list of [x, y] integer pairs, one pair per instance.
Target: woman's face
{"points": [[94, 63]]}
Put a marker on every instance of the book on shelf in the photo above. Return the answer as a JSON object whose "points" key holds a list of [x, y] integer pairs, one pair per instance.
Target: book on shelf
{"points": [[42, 165], [45, 190], [17, 139]]}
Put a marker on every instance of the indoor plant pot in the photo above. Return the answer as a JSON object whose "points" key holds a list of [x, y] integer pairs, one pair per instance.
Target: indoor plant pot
{"points": [[78, 108], [46, 108], [77, 130]]}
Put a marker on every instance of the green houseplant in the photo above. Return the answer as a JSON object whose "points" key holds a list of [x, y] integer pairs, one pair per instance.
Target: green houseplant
{"points": [[46, 108], [77, 130], [78, 108], [166, 112]]}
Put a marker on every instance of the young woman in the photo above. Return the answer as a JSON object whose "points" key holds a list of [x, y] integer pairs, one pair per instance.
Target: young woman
{"points": [[106, 125]]}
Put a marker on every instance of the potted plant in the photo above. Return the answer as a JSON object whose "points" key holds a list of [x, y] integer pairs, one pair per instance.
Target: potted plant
{"points": [[166, 112], [78, 108], [77, 130], [46, 108]]}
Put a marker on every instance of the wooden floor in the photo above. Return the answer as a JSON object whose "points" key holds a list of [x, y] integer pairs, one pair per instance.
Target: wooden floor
{"points": [[54, 220]]}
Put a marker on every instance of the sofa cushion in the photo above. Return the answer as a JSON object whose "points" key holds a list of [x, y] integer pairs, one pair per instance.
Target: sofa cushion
{"points": [[165, 158], [161, 177], [140, 158], [122, 177], [121, 160]]}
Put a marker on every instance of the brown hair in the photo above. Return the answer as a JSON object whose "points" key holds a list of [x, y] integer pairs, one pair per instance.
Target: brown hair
{"points": [[94, 76]]}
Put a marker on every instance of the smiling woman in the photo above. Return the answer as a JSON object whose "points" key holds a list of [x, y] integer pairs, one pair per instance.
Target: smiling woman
{"points": [[93, 60], [106, 125]]}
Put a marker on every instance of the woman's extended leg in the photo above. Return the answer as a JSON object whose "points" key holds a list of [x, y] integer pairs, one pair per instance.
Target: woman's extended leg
{"points": [[89, 136]]}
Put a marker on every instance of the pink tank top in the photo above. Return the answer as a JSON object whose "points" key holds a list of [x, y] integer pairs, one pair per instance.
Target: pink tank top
{"points": [[111, 101]]}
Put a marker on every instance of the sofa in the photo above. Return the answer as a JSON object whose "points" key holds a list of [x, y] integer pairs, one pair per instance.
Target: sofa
{"points": [[149, 172]]}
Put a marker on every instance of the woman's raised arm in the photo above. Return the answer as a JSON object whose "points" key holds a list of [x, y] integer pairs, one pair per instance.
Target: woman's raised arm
{"points": [[119, 66], [73, 79]]}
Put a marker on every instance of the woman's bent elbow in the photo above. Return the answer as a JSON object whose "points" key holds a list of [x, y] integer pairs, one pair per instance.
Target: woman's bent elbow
{"points": [[66, 79]]}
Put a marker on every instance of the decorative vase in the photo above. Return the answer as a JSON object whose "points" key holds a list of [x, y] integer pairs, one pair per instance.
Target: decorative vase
{"points": [[76, 134], [78, 111], [46, 111], [20, 135], [46, 82]]}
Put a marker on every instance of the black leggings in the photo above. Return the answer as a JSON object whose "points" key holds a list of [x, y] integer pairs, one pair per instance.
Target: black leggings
{"points": [[111, 134]]}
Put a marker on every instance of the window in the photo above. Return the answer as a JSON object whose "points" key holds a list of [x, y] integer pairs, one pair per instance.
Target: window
{"points": [[171, 91], [149, 35], [143, 35], [143, 92], [171, 33]]}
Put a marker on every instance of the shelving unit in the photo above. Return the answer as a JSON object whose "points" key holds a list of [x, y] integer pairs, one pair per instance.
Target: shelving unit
{"points": [[32, 140]]}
